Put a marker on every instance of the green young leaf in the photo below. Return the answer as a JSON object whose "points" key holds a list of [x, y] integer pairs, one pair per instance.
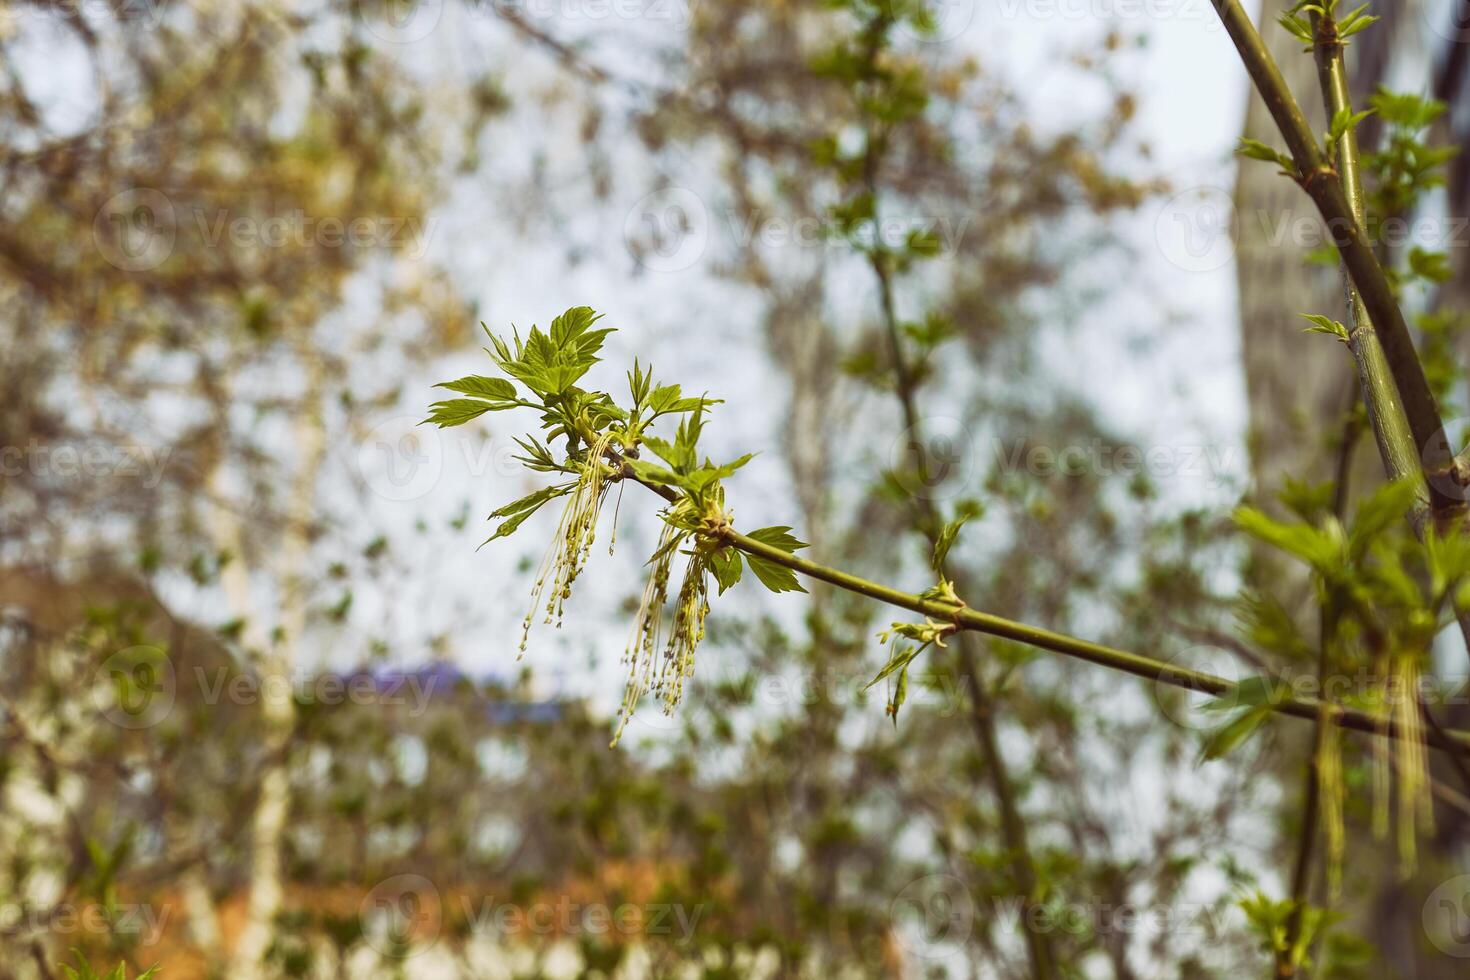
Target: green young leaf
{"points": [[84, 971], [901, 658], [1386, 506], [491, 389], [900, 695], [1229, 737], [1327, 325], [668, 400], [945, 541], [777, 578], [1297, 26], [638, 383], [726, 565], [730, 468], [1354, 21], [1309, 501], [1406, 110], [1318, 548], [538, 455], [572, 325], [1265, 623], [1432, 266], [1256, 150], [679, 457], [1449, 557], [778, 537], [1343, 121], [550, 363], [458, 411], [1253, 692], [514, 514], [650, 473], [923, 243]]}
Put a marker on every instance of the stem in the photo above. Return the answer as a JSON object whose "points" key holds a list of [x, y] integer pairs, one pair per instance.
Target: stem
{"points": [[1301, 876], [1318, 178], [1139, 665], [1380, 396], [1321, 734]]}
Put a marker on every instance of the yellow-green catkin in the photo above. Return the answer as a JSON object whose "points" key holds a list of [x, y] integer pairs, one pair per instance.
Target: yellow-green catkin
{"points": [[646, 627], [1415, 806], [1330, 790], [572, 543], [654, 665]]}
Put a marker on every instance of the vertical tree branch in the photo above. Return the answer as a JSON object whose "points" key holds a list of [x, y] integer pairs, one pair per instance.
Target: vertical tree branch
{"points": [[1322, 732], [982, 705], [1445, 476]]}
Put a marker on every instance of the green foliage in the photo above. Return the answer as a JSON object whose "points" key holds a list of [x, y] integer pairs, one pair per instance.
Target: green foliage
{"points": [[513, 514], [1404, 166]]}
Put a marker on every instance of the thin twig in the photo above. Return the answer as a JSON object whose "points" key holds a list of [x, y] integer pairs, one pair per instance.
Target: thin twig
{"points": [[965, 617]]}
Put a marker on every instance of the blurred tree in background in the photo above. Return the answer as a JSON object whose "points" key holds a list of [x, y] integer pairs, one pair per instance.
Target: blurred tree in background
{"points": [[240, 240]]}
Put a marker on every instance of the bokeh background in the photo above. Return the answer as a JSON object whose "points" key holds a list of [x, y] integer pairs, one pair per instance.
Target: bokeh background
{"points": [[265, 712]]}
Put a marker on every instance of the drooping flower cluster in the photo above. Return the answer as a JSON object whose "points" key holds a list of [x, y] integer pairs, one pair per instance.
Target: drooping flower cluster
{"points": [[571, 545], [660, 665], [605, 444]]}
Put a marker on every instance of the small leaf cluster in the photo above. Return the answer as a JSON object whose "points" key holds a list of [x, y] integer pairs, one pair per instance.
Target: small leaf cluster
{"points": [[1389, 594], [1270, 919], [923, 635], [1405, 166], [1333, 30]]}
